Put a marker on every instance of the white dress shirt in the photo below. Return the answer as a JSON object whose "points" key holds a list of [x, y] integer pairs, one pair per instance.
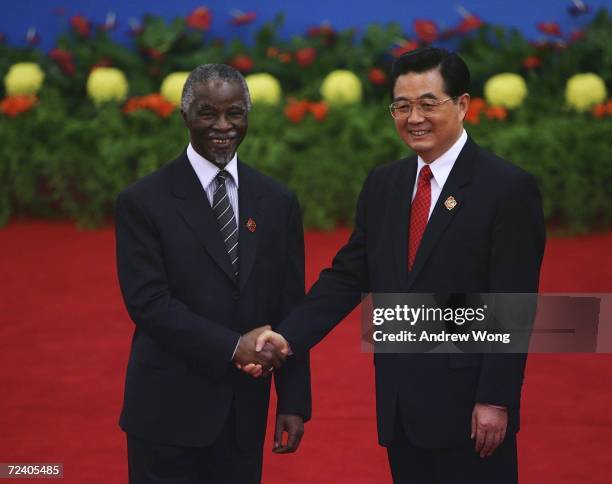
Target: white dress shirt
{"points": [[440, 169], [207, 171]]}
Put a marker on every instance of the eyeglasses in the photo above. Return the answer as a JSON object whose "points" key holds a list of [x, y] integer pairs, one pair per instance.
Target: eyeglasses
{"points": [[403, 109]]}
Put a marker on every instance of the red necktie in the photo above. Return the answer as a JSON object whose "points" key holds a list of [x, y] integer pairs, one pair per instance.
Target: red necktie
{"points": [[419, 213]]}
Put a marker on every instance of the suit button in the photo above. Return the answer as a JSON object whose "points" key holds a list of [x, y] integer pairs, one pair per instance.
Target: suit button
{"points": [[235, 295]]}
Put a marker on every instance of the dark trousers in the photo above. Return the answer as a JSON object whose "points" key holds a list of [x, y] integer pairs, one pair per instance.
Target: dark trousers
{"points": [[224, 462], [462, 465]]}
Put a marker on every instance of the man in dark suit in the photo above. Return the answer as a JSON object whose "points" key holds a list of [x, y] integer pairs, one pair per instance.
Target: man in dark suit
{"points": [[208, 249], [453, 219]]}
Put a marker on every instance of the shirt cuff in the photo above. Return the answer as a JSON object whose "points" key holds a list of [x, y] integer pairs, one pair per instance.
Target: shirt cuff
{"points": [[236, 348], [500, 407]]}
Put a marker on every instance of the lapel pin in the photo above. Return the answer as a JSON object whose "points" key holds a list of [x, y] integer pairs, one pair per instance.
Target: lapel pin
{"points": [[251, 225], [450, 203]]}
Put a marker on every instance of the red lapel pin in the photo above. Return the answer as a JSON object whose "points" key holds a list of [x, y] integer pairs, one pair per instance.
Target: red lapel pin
{"points": [[251, 225]]}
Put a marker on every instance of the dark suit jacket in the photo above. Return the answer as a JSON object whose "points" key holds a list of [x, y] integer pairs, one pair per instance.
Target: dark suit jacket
{"points": [[492, 241], [178, 287]]}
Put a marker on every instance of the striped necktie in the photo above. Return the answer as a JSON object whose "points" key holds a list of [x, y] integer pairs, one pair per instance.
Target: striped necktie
{"points": [[226, 220]]}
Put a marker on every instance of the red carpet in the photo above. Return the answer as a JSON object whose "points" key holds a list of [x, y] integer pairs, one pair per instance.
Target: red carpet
{"points": [[65, 339]]}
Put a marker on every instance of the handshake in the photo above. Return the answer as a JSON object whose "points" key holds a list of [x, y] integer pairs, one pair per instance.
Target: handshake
{"points": [[260, 351]]}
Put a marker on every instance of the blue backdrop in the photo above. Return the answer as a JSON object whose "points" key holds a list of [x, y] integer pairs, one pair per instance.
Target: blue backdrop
{"points": [[50, 17]]}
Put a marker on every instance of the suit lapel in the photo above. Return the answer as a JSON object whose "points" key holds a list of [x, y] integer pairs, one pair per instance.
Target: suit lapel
{"points": [[195, 209], [400, 216], [455, 186], [250, 221]]}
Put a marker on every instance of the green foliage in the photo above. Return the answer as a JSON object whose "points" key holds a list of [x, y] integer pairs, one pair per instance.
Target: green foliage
{"points": [[69, 158], [56, 164]]}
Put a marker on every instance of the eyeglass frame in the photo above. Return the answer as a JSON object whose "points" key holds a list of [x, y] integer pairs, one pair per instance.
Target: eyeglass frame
{"points": [[434, 106]]}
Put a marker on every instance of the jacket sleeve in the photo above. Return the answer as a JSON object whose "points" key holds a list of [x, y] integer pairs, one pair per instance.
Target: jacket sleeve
{"points": [[293, 379], [517, 248], [203, 343], [337, 291]]}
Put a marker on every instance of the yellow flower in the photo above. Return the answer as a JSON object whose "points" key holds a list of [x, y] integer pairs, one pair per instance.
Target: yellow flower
{"points": [[507, 90], [23, 78], [172, 86], [264, 89], [107, 84], [341, 87], [583, 91]]}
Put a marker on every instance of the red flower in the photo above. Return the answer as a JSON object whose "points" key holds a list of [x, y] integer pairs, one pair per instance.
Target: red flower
{"points": [[576, 36], [296, 110], [242, 18], [60, 55], [14, 105], [406, 46], [472, 117], [600, 110], [426, 30], [496, 112], [242, 62], [153, 102], [64, 61], [305, 56], [470, 22], [272, 52], [377, 76], [80, 25], [549, 28], [319, 110], [199, 19], [324, 31], [532, 62], [154, 54], [477, 105], [609, 106], [284, 57]]}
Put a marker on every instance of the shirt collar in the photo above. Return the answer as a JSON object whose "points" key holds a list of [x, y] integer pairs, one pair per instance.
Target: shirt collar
{"points": [[442, 166], [207, 171]]}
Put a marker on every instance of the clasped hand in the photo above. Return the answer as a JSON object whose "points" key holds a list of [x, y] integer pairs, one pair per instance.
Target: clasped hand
{"points": [[260, 351]]}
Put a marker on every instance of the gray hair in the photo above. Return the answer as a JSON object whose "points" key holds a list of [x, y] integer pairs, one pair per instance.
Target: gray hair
{"points": [[212, 72]]}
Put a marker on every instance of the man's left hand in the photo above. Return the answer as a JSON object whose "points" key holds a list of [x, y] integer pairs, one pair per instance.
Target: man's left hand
{"points": [[489, 425], [293, 425]]}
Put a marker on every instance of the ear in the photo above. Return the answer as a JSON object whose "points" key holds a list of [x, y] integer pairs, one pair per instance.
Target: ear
{"points": [[463, 103], [184, 116]]}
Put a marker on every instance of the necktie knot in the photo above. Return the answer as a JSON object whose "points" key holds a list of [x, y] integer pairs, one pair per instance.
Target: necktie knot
{"points": [[425, 174], [221, 177]]}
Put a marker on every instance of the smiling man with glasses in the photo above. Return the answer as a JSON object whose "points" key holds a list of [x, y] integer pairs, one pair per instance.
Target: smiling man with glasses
{"points": [[454, 219]]}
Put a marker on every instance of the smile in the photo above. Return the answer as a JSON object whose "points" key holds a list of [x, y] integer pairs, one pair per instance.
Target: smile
{"points": [[418, 133], [221, 141]]}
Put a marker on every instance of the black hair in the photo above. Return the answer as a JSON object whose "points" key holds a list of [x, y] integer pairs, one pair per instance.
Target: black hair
{"points": [[454, 71]]}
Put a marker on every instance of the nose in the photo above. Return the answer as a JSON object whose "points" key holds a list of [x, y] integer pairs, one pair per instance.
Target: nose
{"points": [[415, 116], [222, 123]]}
